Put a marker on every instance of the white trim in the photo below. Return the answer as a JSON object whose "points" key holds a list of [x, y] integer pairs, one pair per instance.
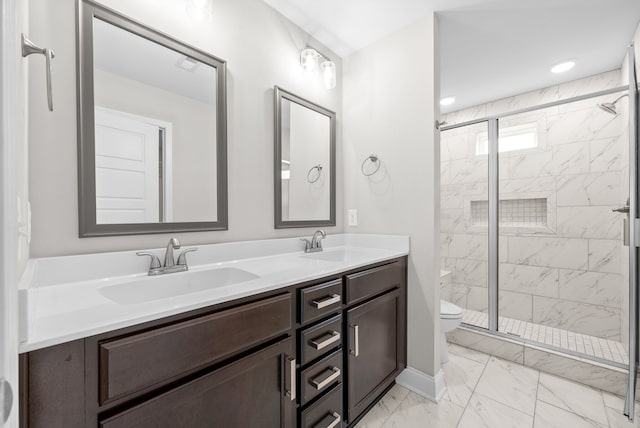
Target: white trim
{"points": [[430, 387], [10, 135]]}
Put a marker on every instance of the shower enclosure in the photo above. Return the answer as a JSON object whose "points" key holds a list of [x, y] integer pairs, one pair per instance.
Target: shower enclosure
{"points": [[536, 209]]}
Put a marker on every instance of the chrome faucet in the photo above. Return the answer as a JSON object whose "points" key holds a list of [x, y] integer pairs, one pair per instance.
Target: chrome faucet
{"points": [[173, 244], [170, 265], [315, 245]]}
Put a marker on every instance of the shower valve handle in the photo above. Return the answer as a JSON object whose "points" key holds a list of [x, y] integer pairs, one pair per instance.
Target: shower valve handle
{"points": [[624, 209]]}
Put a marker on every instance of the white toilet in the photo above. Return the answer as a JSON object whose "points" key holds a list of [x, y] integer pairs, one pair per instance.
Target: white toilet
{"points": [[450, 319]]}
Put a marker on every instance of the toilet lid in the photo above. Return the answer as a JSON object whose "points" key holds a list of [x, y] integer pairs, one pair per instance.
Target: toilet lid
{"points": [[449, 310]]}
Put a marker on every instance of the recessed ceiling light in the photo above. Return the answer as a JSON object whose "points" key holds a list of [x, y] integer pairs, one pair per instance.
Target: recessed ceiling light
{"points": [[447, 101], [563, 66]]}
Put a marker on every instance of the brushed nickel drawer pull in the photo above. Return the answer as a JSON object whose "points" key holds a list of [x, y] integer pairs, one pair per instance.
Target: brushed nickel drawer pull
{"points": [[335, 375], [356, 341], [333, 299], [335, 336], [334, 423], [291, 369]]}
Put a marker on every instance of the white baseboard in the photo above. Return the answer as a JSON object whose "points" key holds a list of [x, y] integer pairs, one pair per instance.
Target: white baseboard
{"points": [[430, 387]]}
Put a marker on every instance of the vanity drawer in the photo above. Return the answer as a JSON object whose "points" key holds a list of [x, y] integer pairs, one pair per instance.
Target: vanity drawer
{"points": [[321, 376], [325, 413], [319, 339], [155, 357], [373, 281], [319, 300]]}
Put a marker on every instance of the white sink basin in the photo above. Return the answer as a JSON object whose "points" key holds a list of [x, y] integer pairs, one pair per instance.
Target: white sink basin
{"points": [[334, 256], [174, 284]]}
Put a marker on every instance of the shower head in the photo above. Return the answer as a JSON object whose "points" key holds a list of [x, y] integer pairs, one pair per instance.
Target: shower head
{"points": [[611, 107]]}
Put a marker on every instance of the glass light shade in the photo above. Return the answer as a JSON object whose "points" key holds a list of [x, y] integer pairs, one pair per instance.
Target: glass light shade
{"points": [[308, 59], [200, 10], [329, 74]]}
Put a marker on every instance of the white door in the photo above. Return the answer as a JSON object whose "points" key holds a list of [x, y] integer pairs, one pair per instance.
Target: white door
{"points": [[127, 169]]}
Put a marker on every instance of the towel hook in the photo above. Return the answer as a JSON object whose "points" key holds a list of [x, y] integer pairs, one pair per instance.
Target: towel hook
{"points": [[29, 48], [375, 160]]}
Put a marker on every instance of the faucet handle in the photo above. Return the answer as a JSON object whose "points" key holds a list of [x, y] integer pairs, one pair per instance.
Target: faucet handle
{"points": [[307, 244], [155, 261], [182, 258]]}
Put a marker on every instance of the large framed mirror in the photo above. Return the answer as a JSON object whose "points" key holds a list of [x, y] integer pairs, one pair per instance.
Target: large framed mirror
{"points": [[305, 162], [152, 149]]}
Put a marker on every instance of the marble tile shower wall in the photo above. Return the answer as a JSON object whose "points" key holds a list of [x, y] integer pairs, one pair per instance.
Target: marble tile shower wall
{"points": [[567, 274]]}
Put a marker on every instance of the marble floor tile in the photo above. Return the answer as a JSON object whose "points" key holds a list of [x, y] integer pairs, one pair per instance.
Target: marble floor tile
{"points": [[418, 412], [384, 408], [483, 412], [572, 396], [510, 384], [461, 376], [614, 406], [548, 416]]}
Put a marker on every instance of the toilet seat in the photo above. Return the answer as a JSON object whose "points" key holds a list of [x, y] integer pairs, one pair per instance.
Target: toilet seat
{"points": [[449, 311]]}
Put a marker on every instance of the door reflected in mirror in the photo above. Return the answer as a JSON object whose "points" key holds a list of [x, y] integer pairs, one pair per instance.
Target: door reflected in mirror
{"points": [[305, 162]]}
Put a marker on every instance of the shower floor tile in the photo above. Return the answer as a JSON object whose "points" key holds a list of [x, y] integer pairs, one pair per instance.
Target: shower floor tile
{"points": [[588, 345]]}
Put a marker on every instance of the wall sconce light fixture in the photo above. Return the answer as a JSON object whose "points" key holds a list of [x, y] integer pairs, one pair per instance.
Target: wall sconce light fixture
{"points": [[309, 59]]}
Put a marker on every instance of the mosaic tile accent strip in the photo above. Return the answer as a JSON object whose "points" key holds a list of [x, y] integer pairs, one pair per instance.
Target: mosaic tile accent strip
{"points": [[513, 212], [589, 345]]}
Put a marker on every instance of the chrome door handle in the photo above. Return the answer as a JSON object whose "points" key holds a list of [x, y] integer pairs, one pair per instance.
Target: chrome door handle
{"points": [[624, 209], [335, 336], [334, 423], [327, 381], [291, 369], [331, 300], [356, 341]]}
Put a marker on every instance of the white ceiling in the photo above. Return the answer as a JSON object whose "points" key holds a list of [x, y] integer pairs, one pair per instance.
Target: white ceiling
{"points": [[123, 53], [489, 49]]}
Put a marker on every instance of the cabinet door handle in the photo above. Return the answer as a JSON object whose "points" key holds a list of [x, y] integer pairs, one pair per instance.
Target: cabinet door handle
{"points": [[356, 341], [333, 299], [333, 376], [334, 422], [335, 336], [291, 372]]}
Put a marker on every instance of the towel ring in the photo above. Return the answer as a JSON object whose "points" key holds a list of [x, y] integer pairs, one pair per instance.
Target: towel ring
{"points": [[319, 168], [374, 159]]}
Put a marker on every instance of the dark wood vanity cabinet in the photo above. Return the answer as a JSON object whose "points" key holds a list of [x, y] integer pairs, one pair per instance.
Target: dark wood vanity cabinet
{"points": [[317, 354]]}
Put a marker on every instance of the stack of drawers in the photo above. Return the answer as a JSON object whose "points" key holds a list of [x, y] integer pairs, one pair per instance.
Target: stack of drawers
{"points": [[320, 340]]}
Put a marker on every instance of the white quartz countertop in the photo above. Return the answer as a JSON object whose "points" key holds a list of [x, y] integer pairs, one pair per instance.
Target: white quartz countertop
{"points": [[63, 298]]}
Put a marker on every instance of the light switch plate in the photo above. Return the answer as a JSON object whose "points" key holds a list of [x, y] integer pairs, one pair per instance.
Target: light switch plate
{"points": [[352, 217]]}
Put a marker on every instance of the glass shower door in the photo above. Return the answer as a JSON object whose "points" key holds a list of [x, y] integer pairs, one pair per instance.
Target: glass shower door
{"points": [[464, 220]]}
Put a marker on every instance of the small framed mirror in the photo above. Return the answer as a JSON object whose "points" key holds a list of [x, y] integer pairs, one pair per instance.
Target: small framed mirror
{"points": [[152, 130], [305, 162]]}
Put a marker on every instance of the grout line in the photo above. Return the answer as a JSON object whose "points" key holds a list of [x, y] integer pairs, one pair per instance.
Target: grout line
{"points": [[535, 404], [464, 410]]}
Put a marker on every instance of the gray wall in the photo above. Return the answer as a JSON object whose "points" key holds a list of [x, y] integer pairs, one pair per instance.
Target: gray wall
{"points": [[261, 49], [390, 90]]}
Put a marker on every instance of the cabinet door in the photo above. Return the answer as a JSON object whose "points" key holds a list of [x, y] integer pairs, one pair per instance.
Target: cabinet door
{"points": [[251, 392], [374, 340]]}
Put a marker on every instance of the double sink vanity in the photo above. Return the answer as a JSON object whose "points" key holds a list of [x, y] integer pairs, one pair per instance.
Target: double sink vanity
{"points": [[271, 333], [254, 334]]}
